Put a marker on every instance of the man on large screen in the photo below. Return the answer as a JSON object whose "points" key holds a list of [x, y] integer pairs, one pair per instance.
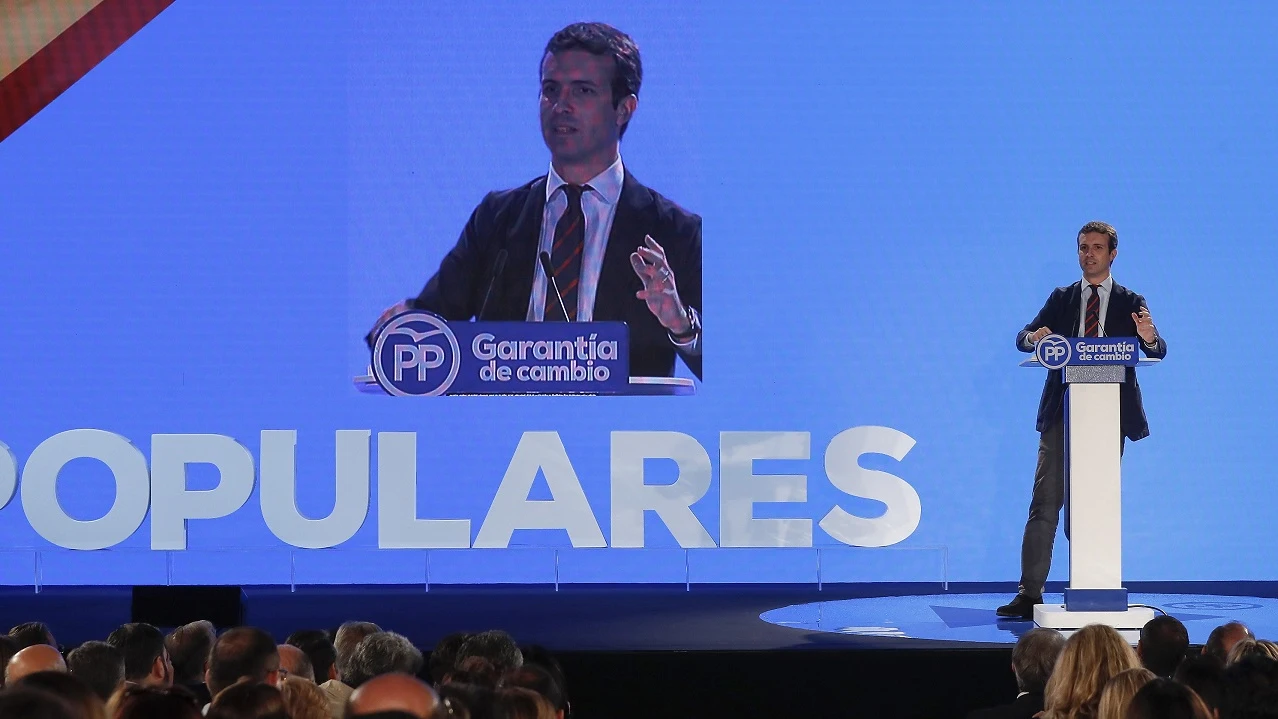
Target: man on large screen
{"points": [[618, 250], [1096, 306]]}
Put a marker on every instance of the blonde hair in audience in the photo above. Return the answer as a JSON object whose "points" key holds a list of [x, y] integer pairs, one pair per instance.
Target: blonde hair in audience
{"points": [[1248, 647], [1091, 656], [304, 700], [1119, 690]]}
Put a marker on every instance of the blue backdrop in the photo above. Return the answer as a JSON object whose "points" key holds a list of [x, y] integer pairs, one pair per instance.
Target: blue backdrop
{"points": [[197, 234]]}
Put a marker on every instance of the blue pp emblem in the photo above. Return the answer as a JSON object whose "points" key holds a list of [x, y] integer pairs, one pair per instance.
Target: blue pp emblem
{"points": [[416, 355], [1053, 351]]}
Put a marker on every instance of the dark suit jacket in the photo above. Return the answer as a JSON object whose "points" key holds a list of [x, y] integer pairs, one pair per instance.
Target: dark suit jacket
{"points": [[511, 220], [1023, 708], [1061, 314]]}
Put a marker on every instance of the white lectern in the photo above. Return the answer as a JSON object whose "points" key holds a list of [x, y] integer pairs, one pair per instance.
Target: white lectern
{"points": [[1094, 369]]}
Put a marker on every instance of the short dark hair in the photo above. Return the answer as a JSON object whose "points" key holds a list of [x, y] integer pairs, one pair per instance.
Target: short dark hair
{"points": [[140, 643], [1034, 656], [318, 649], [382, 653], [1206, 676], [29, 634], [1162, 697], [248, 699], [1163, 643], [99, 664], [189, 647], [71, 689], [1103, 228], [538, 679], [32, 703], [1251, 688], [443, 658], [241, 652], [496, 646], [599, 38]]}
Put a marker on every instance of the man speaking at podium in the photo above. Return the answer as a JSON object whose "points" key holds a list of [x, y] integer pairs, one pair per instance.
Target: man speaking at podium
{"points": [[617, 250], [1097, 306]]}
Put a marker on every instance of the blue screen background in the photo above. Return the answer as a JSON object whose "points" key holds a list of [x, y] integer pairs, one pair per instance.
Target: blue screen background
{"points": [[197, 235]]}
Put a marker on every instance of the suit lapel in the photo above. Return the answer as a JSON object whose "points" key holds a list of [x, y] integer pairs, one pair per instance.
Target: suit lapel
{"points": [[1113, 313], [521, 243], [617, 280], [1074, 303]]}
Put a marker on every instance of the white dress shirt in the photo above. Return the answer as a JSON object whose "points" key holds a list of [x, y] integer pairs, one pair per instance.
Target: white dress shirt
{"points": [[599, 205]]}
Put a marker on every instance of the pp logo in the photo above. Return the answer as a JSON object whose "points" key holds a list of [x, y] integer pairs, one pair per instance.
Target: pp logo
{"points": [[1053, 351], [415, 354]]}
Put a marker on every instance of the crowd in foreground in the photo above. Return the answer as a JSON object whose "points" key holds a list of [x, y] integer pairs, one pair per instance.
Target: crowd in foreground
{"points": [[357, 671], [1095, 674]]}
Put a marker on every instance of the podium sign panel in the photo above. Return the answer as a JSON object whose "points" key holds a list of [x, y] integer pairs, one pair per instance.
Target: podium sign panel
{"points": [[419, 353]]}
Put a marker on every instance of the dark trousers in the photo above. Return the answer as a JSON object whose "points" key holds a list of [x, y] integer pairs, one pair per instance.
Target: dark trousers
{"points": [[1049, 496]]}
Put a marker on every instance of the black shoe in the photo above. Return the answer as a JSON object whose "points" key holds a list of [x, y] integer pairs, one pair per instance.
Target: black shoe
{"points": [[1022, 607]]}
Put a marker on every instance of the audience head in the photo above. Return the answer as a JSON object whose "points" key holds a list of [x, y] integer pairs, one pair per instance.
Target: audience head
{"points": [[248, 699], [75, 692], [295, 663], [146, 659], [498, 647], [1091, 656], [468, 701], [476, 671], [35, 658], [135, 701], [1163, 643], [29, 634], [382, 653], [1165, 699], [1034, 656], [520, 703], [392, 693], [1224, 637], [348, 636], [1119, 690], [1205, 675], [30, 703], [189, 647], [443, 658], [319, 650], [239, 653], [1251, 689], [99, 665], [1249, 647], [8, 647], [304, 700], [537, 678]]}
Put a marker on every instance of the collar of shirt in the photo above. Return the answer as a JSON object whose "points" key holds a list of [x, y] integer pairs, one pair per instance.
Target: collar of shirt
{"points": [[1105, 285], [607, 184]]}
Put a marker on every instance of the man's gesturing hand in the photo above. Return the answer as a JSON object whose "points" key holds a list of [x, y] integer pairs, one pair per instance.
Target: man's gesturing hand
{"points": [[1039, 334], [389, 313], [659, 289], [1145, 326]]}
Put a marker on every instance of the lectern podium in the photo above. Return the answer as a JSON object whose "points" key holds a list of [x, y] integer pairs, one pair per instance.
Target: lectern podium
{"points": [[1093, 369]]}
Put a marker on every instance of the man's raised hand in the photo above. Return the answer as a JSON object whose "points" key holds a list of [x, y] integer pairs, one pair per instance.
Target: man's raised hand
{"points": [[659, 289]]}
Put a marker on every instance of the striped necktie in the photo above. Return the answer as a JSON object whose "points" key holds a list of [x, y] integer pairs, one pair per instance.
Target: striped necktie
{"points": [[565, 256], [1092, 325]]}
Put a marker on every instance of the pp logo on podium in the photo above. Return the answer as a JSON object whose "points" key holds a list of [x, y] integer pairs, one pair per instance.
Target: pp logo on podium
{"points": [[1053, 351], [416, 355]]}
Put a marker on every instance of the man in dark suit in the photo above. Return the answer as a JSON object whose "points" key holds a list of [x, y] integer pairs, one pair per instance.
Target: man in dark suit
{"points": [[1094, 307], [618, 250], [1033, 657]]}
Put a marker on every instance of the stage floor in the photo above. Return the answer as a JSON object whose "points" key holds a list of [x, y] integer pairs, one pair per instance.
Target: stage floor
{"points": [[658, 617]]}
